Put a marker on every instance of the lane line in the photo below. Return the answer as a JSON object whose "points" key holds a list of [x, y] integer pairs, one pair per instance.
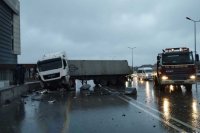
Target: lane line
{"points": [[173, 118], [177, 120], [66, 123], [153, 115]]}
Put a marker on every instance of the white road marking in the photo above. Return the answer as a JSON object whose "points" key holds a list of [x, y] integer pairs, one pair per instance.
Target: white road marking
{"points": [[153, 115], [179, 121]]}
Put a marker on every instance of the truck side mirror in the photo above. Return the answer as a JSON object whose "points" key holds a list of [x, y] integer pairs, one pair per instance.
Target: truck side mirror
{"points": [[64, 63], [197, 57], [158, 58], [158, 63]]}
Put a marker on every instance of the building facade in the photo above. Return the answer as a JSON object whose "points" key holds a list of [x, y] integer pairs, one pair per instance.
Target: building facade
{"points": [[10, 45]]}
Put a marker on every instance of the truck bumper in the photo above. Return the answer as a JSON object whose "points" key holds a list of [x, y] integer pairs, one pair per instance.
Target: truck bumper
{"points": [[167, 82]]}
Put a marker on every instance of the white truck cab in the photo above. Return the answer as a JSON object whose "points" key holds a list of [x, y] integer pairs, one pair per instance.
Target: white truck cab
{"points": [[53, 70]]}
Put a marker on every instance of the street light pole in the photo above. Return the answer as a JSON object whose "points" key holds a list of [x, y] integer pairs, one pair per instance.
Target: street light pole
{"points": [[194, 42], [132, 56], [194, 36]]}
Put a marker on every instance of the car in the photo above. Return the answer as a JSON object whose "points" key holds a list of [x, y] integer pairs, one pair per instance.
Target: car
{"points": [[145, 73]]}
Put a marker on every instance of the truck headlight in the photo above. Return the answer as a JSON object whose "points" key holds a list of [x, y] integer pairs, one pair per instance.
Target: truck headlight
{"points": [[192, 77], [164, 77]]}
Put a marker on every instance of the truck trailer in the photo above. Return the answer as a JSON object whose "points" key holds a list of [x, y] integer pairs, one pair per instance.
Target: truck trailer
{"points": [[103, 72]]}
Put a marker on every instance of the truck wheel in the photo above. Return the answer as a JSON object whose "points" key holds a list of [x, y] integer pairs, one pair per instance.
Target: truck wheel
{"points": [[72, 83], [113, 82], [104, 82], [66, 87], [96, 81], [188, 87], [155, 83], [43, 85], [162, 87]]}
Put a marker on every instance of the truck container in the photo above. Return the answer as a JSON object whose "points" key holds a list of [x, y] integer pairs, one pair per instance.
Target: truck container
{"points": [[103, 72]]}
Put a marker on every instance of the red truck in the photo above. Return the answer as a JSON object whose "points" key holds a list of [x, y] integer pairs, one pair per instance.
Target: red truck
{"points": [[175, 66]]}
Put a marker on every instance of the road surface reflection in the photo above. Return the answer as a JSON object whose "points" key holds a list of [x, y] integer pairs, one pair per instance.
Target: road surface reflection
{"points": [[172, 103]]}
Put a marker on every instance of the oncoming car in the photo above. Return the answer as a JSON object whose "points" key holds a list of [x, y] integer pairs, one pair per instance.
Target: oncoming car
{"points": [[145, 73]]}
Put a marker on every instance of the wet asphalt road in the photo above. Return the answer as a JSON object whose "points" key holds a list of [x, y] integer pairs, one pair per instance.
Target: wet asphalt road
{"points": [[104, 110]]}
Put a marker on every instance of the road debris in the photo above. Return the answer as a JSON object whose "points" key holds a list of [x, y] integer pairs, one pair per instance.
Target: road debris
{"points": [[130, 91], [7, 102], [24, 96], [52, 101], [36, 98], [42, 92], [88, 94], [85, 87], [123, 115]]}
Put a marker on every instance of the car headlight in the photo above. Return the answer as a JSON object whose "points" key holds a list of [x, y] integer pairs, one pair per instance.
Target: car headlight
{"points": [[192, 77], [154, 73], [164, 77]]}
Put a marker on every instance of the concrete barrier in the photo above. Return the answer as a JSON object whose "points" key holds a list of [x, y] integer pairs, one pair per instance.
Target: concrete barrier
{"points": [[12, 92], [4, 83]]}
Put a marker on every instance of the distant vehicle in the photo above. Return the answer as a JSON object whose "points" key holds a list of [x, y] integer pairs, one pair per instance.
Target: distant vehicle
{"points": [[53, 71], [175, 66], [145, 73]]}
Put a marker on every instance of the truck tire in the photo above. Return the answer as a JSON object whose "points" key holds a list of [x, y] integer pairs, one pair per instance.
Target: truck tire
{"points": [[155, 82], [72, 83], [43, 85], [188, 87], [113, 82], [104, 82], [162, 87], [96, 81]]}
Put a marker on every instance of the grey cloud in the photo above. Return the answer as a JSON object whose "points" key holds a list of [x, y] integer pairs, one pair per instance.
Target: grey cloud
{"points": [[89, 29]]}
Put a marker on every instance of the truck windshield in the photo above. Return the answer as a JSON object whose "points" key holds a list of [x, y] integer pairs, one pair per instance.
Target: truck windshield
{"points": [[49, 64], [148, 71], [140, 71], [177, 58]]}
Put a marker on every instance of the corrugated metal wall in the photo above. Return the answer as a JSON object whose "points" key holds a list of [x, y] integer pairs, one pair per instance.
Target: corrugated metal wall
{"points": [[6, 35], [98, 67]]}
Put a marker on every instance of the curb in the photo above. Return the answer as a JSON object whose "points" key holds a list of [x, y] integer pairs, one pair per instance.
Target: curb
{"points": [[12, 92]]}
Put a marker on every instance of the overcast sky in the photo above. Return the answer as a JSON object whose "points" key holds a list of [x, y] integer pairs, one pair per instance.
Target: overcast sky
{"points": [[104, 29]]}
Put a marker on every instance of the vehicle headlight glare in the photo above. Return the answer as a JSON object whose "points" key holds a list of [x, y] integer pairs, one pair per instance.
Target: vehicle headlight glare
{"points": [[192, 77], [164, 77]]}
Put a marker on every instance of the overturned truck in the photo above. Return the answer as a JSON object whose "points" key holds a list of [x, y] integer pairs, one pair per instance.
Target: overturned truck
{"points": [[103, 72]]}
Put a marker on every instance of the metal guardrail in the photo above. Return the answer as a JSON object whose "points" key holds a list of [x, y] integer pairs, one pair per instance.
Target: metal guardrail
{"points": [[18, 73]]}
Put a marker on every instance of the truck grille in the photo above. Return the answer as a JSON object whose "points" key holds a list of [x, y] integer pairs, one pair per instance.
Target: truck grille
{"points": [[178, 77], [50, 76]]}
